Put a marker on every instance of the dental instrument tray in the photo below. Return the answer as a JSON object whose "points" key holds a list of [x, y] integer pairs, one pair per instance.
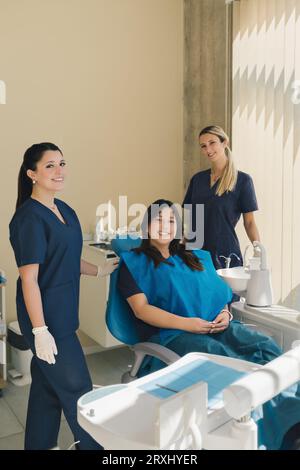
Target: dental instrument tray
{"points": [[158, 411]]}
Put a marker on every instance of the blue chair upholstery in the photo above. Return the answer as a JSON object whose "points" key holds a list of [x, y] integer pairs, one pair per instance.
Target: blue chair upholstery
{"points": [[123, 324], [120, 320]]}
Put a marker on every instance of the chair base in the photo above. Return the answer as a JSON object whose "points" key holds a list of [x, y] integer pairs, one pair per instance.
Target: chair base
{"points": [[127, 378]]}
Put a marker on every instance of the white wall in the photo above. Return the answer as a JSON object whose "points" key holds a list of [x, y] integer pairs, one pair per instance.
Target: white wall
{"points": [[266, 119]]}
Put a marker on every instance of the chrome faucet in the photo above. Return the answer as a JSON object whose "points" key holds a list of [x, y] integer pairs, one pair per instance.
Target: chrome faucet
{"points": [[228, 259], [237, 257]]}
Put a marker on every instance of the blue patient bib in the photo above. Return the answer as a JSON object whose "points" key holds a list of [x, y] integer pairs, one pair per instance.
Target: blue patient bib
{"points": [[178, 289]]}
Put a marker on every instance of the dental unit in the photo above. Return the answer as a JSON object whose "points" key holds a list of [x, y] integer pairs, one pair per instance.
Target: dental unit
{"points": [[201, 401]]}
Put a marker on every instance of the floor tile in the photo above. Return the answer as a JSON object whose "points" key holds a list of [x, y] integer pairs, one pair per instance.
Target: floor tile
{"points": [[17, 399], [13, 442], [9, 423]]}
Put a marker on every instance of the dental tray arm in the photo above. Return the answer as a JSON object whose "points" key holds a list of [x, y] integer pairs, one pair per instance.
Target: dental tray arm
{"points": [[257, 388]]}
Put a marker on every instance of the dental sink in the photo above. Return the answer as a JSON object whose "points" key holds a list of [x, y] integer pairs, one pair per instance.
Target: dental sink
{"points": [[237, 278]]}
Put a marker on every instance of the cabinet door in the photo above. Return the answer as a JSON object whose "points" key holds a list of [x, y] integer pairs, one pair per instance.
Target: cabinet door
{"points": [[237, 315], [93, 299]]}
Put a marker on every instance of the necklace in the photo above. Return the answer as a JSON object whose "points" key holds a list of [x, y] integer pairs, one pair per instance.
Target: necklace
{"points": [[52, 207]]}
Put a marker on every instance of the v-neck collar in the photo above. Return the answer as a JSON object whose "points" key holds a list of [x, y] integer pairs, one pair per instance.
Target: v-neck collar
{"points": [[65, 223], [217, 181]]}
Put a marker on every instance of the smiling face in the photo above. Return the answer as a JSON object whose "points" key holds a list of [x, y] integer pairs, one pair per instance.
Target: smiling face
{"points": [[212, 147], [50, 171], [163, 227]]}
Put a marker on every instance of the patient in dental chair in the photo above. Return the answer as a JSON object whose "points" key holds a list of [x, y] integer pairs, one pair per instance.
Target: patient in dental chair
{"points": [[179, 294]]}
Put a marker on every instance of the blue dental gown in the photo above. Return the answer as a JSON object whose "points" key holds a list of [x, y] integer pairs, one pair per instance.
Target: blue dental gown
{"points": [[179, 290]]}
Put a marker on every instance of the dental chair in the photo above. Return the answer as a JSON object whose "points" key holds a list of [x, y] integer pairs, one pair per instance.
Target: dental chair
{"points": [[123, 324], [198, 401]]}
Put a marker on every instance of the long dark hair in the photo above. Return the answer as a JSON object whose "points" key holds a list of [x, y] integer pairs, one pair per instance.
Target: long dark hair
{"points": [[31, 157], [176, 247]]}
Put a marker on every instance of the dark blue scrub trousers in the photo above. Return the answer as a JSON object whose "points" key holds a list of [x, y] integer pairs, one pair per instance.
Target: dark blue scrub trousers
{"points": [[55, 388]]}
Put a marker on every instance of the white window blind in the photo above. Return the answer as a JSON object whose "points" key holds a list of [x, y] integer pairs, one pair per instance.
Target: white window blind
{"points": [[266, 128]]}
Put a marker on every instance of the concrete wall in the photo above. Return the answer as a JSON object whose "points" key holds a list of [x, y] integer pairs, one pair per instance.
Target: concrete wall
{"points": [[206, 72]]}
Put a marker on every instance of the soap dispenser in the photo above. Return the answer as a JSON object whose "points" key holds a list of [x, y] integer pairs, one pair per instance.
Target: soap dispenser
{"points": [[259, 288]]}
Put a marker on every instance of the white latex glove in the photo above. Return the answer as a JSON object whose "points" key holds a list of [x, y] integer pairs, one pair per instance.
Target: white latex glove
{"points": [[108, 268], [44, 343]]}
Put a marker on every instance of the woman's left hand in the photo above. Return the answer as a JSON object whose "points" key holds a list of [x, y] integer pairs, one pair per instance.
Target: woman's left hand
{"points": [[220, 323]]}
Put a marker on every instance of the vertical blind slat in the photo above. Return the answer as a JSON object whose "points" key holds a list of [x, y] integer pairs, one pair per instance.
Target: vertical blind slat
{"points": [[266, 129]]}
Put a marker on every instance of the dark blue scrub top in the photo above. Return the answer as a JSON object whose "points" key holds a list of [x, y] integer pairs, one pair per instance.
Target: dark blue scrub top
{"points": [[39, 237], [221, 213]]}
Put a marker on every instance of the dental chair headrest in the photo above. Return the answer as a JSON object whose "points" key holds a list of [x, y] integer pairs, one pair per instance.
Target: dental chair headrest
{"points": [[124, 243]]}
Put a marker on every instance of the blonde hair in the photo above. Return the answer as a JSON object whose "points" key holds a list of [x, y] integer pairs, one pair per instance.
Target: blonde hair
{"points": [[229, 177]]}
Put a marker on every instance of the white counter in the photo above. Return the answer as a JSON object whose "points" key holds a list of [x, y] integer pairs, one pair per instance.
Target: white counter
{"points": [[277, 321]]}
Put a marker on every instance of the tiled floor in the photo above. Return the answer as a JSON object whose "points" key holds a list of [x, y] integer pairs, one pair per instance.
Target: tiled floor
{"points": [[105, 368]]}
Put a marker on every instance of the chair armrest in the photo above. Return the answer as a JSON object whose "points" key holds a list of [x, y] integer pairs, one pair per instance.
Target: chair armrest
{"points": [[156, 350], [148, 349]]}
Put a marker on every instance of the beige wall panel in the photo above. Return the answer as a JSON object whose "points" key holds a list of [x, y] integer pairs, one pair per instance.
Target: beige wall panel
{"points": [[102, 79]]}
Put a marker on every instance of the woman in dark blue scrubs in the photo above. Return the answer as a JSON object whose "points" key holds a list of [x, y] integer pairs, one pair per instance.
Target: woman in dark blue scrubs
{"points": [[47, 241], [226, 194]]}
